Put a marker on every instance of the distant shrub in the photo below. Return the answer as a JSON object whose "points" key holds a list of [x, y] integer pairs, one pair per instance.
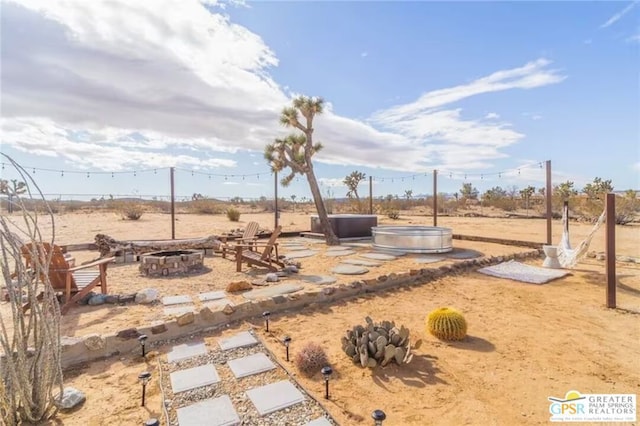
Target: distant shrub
{"points": [[233, 214], [130, 211], [206, 207], [310, 359], [393, 214]]}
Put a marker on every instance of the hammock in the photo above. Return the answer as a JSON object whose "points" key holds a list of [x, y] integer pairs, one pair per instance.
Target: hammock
{"points": [[567, 256]]}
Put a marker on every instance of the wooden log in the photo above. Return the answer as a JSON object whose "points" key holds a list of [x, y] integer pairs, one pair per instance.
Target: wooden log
{"points": [[109, 246]]}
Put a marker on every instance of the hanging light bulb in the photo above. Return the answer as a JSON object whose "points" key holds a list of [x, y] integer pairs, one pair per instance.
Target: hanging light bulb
{"points": [[61, 173], [88, 175]]}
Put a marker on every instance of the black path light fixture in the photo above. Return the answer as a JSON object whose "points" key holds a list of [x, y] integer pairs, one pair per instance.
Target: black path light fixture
{"points": [[143, 341], [266, 315], [378, 417], [287, 342], [144, 378], [326, 373]]}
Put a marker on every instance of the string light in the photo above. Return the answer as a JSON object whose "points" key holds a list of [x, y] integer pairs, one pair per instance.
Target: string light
{"points": [[134, 173], [112, 174], [61, 173], [87, 174]]}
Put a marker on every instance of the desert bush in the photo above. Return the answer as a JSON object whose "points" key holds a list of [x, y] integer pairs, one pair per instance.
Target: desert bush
{"points": [[204, 206], [233, 214], [131, 211], [392, 214], [310, 359]]}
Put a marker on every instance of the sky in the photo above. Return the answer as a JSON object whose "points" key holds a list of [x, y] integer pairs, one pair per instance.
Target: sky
{"points": [[102, 97]]}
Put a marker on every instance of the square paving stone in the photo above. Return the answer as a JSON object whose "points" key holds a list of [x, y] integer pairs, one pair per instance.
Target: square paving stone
{"points": [[322, 421], [178, 310], [215, 305], [271, 291], [211, 412], [192, 378], [237, 341], [212, 295], [274, 397], [176, 300], [249, 365], [186, 350]]}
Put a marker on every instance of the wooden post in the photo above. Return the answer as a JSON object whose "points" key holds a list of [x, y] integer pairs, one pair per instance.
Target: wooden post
{"points": [[370, 195], [565, 213], [173, 202], [275, 204], [435, 198], [610, 250], [548, 197]]}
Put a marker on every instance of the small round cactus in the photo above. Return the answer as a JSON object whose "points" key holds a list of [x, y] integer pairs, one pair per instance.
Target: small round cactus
{"points": [[447, 324]]}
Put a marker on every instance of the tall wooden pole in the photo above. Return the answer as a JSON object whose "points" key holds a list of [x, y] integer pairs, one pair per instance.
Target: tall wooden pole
{"points": [[549, 207], [275, 204], [610, 250], [173, 203], [370, 195], [435, 198]]}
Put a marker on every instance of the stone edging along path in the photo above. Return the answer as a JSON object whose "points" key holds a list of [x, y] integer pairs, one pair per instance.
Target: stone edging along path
{"points": [[77, 350]]}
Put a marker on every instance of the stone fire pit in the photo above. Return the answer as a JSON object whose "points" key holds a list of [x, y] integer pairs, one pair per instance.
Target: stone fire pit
{"points": [[171, 262]]}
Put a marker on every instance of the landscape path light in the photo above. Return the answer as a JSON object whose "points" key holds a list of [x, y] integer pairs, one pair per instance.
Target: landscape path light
{"points": [[152, 422], [144, 378], [266, 315], [143, 341], [287, 341], [326, 373], [378, 417]]}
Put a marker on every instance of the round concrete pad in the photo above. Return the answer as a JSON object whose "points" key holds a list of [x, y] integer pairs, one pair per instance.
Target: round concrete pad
{"points": [[429, 259], [463, 254], [338, 248], [293, 247], [368, 244], [336, 253], [389, 251], [318, 279], [361, 262], [378, 256], [349, 269], [300, 254]]}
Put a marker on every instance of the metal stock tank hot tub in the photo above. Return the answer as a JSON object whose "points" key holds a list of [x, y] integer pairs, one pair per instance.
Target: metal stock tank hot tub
{"points": [[413, 239]]}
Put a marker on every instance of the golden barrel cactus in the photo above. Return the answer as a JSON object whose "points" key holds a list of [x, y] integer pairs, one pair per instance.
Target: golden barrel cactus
{"points": [[447, 324]]}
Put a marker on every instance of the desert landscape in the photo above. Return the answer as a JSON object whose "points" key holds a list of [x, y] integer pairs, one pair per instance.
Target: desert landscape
{"points": [[525, 342]]}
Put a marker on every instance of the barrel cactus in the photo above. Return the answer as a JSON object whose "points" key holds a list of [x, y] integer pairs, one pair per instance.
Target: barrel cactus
{"points": [[447, 324], [377, 344]]}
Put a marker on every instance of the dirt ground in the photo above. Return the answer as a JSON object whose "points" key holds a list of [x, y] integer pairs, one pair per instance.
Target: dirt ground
{"points": [[525, 342]]}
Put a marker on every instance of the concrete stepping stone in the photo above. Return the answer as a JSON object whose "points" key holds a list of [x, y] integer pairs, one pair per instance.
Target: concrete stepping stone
{"points": [[322, 421], [360, 262], [250, 365], [338, 248], [362, 244], [429, 259], [212, 295], [214, 305], [463, 254], [389, 251], [301, 254], [271, 291], [217, 412], [345, 269], [186, 350], [274, 397], [295, 248], [192, 378], [239, 340], [176, 300], [178, 310], [318, 279], [378, 256], [336, 253]]}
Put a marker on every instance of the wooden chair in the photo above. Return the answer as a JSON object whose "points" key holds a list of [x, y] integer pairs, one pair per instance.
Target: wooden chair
{"points": [[74, 282], [268, 258], [249, 238]]}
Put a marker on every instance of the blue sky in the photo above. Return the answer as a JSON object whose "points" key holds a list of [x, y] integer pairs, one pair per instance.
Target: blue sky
{"points": [[469, 88]]}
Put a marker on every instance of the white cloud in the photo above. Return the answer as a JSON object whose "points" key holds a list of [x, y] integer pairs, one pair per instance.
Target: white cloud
{"points": [[617, 16], [491, 116], [364, 54], [332, 182], [588, 41], [633, 39], [121, 85]]}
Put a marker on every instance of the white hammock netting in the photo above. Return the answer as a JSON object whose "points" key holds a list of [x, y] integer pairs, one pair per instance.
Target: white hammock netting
{"points": [[567, 256]]}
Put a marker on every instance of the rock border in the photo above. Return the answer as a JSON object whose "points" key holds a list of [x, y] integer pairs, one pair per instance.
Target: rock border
{"points": [[94, 347]]}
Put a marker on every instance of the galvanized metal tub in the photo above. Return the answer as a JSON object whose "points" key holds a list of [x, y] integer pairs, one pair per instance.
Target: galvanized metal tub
{"points": [[413, 239]]}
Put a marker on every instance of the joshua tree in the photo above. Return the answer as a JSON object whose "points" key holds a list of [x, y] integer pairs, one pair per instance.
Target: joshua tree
{"points": [[526, 196], [352, 181], [295, 152]]}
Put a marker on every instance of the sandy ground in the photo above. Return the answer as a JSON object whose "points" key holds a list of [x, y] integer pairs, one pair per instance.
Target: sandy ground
{"points": [[526, 342]]}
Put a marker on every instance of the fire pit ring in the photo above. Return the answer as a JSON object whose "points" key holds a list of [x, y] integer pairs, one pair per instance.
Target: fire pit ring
{"points": [[171, 262]]}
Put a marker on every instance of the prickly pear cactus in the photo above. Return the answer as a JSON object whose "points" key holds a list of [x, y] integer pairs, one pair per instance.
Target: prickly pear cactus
{"points": [[447, 324], [377, 344]]}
